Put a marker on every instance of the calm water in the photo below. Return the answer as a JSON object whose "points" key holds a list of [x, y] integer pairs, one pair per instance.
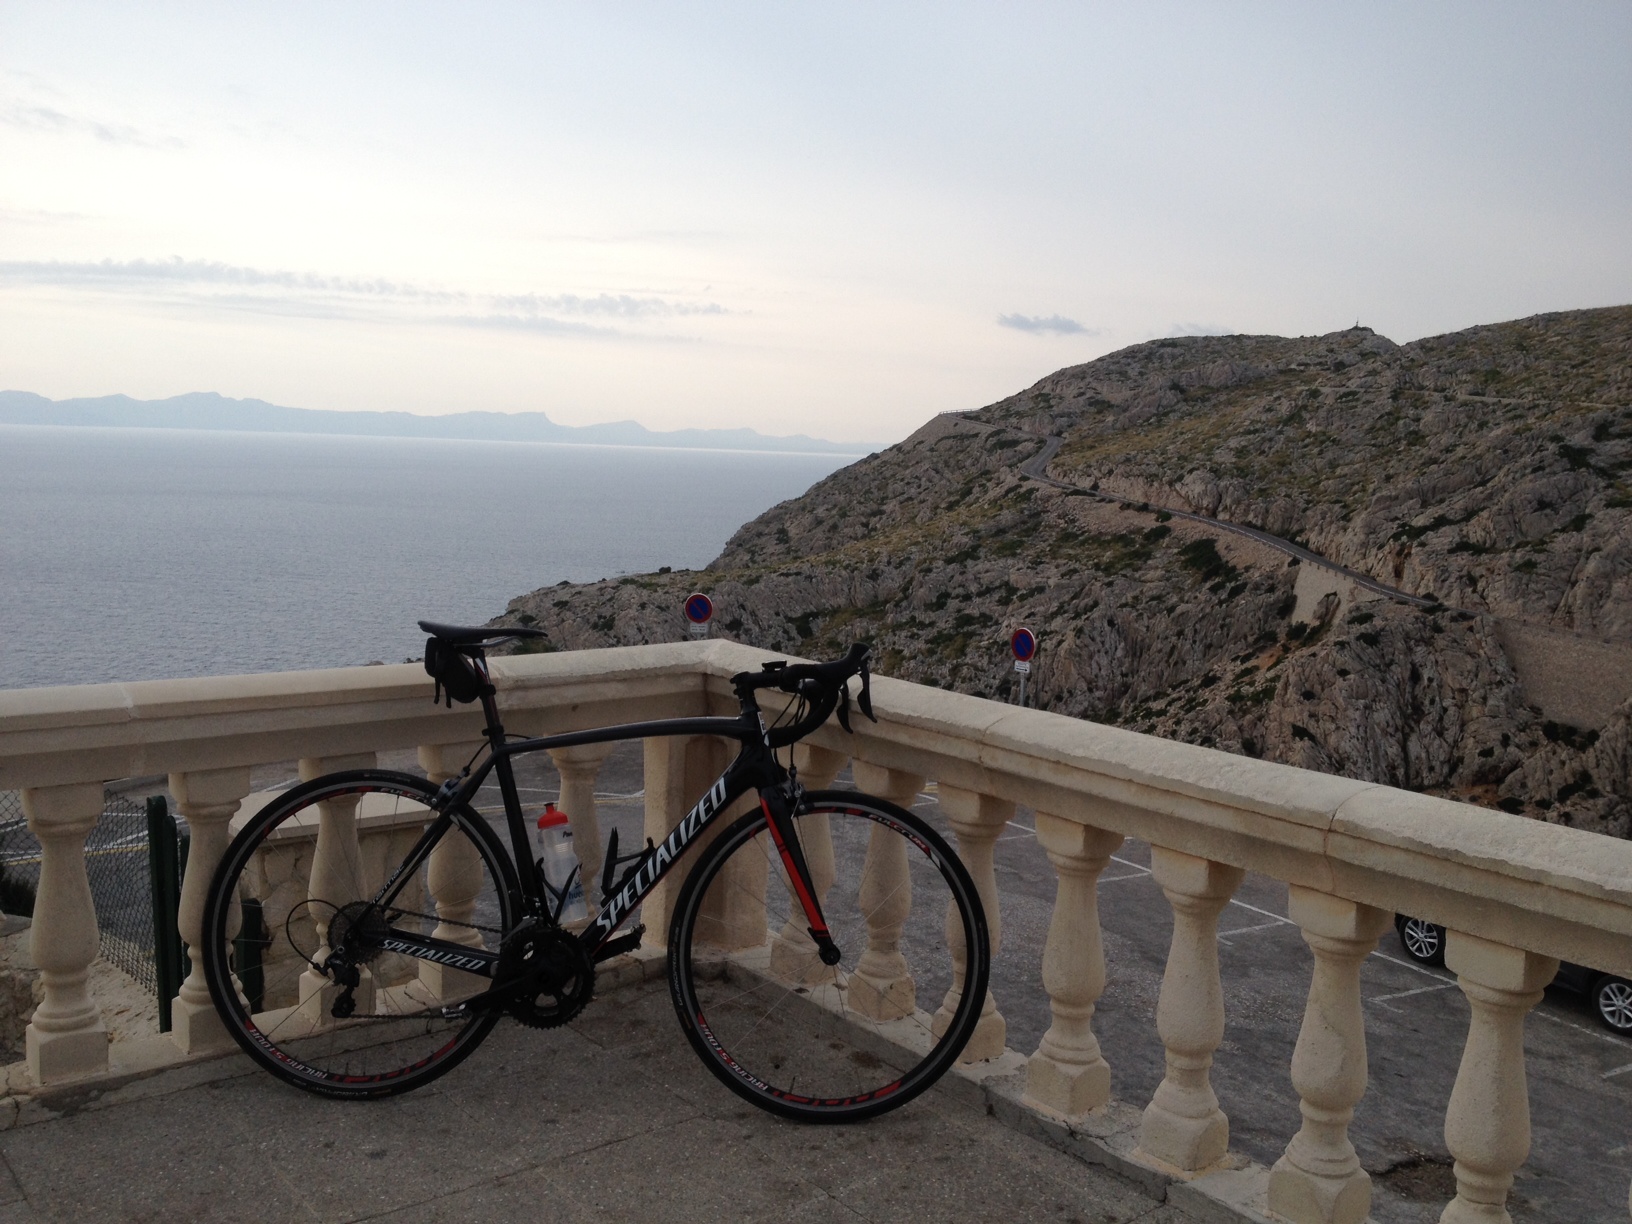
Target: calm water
{"points": [[130, 554]]}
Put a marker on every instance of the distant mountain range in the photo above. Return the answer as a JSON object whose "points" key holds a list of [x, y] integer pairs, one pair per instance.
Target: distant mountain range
{"points": [[207, 410]]}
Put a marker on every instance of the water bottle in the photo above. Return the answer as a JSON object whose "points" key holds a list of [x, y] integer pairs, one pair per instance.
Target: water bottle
{"points": [[560, 861]]}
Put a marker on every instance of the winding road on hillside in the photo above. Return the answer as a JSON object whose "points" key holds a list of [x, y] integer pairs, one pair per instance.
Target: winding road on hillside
{"points": [[1036, 469]]}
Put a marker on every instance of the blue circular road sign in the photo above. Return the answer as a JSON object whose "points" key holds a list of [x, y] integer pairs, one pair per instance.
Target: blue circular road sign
{"points": [[1024, 644], [699, 608]]}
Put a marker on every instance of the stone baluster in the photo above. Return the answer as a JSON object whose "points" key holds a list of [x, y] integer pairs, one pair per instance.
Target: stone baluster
{"points": [[677, 770], [66, 1038], [1319, 1180], [335, 880], [1183, 1125], [454, 879], [1487, 1124], [882, 986], [793, 952], [1068, 1075], [977, 820], [209, 799], [579, 767]]}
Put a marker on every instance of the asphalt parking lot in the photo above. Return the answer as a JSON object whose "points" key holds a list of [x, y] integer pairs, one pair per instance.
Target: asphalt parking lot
{"points": [[1580, 1074]]}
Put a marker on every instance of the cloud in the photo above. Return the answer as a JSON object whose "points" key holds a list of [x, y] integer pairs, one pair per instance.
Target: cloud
{"points": [[30, 118], [177, 271], [620, 305], [538, 324], [1197, 329], [1037, 325], [197, 284]]}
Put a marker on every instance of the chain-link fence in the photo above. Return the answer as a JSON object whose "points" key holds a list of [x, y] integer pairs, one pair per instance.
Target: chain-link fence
{"points": [[120, 866]]}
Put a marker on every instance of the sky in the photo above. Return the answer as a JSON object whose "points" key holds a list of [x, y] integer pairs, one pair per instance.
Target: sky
{"points": [[835, 219]]}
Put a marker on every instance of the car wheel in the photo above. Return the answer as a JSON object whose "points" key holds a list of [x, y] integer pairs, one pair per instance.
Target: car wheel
{"points": [[1612, 996], [1424, 942]]}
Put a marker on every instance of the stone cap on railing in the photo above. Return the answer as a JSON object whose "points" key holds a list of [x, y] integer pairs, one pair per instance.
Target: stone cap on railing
{"points": [[1559, 891]]}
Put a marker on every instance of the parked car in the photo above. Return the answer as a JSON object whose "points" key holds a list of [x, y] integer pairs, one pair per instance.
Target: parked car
{"points": [[1424, 942]]}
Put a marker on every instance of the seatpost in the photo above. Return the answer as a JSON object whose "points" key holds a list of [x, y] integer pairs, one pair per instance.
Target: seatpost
{"points": [[514, 820]]}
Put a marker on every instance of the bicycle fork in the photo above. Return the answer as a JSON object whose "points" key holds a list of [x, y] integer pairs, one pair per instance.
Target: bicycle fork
{"points": [[778, 806]]}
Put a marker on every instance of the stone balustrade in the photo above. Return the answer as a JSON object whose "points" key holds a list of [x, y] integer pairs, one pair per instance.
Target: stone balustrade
{"points": [[1515, 895]]}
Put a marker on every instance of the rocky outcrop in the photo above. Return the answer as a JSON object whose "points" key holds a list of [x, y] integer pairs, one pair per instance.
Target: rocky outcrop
{"points": [[1488, 470]]}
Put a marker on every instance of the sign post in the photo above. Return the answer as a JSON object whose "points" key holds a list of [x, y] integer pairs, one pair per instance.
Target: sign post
{"points": [[699, 611], [1024, 645]]}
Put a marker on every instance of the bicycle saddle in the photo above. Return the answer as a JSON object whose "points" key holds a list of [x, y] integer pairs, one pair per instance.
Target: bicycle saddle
{"points": [[470, 635]]}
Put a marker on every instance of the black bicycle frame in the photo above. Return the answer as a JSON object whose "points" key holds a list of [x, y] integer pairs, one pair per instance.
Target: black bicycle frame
{"points": [[754, 768]]}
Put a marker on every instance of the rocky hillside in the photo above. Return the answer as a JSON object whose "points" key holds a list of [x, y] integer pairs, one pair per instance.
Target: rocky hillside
{"points": [[1489, 471]]}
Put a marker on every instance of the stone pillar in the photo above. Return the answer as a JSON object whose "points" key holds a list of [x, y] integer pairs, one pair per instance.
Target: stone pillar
{"points": [[1487, 1124], [1319, 1180], [1183, 1125], [453, 877], [882, 987], [209, 799], [336, 880], [579, 767], [678, 769], [978, 820], [66, 1038], [1068, 1075], [793, 952]]}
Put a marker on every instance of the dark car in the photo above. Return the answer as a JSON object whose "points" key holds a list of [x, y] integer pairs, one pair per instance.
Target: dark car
{"points": [[1424, 942]]}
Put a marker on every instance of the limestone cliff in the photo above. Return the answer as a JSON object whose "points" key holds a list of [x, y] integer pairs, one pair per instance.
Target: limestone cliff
{"points": [[1486, 473]]}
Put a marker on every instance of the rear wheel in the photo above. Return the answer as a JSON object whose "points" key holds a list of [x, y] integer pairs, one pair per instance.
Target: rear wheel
{"points": [[297, 883], [819, 1042]]}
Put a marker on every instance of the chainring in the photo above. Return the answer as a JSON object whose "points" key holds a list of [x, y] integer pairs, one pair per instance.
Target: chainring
{"points": [[557, 976]]}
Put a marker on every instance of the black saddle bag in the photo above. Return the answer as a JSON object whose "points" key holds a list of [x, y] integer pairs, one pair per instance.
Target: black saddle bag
{"points": [[454, 672]]}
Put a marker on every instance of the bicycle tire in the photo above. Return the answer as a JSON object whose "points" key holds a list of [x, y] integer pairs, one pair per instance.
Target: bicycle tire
{"points": [[798, 1038], [396, 1042]]}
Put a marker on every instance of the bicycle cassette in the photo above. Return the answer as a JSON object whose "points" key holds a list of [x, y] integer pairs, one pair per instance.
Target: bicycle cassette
{"points": [[553, 975]]}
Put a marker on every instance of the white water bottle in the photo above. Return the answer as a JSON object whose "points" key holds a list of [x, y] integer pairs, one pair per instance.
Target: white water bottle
{"points": [[560, 862]]}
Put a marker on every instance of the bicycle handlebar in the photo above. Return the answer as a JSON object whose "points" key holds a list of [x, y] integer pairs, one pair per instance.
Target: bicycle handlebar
{"points": [[824, 685]]}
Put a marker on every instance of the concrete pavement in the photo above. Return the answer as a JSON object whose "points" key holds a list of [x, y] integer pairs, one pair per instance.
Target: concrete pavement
{"points": [[610, 1119]]}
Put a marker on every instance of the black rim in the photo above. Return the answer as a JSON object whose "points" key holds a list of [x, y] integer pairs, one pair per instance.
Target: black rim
{"points": [[791, 1034], [397, 1036]]}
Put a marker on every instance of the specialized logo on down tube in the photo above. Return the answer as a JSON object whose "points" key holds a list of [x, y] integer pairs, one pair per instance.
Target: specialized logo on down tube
{"points": [[630, 894]]}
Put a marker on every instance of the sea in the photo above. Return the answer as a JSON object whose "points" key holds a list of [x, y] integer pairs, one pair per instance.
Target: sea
{"points": [[134, 554]]}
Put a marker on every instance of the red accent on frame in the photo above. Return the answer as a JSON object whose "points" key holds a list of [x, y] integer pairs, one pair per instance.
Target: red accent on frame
{"points": [[812, 910]]}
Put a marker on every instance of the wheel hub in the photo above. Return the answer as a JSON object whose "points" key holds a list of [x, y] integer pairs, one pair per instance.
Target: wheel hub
{"points": [[358, 931]]}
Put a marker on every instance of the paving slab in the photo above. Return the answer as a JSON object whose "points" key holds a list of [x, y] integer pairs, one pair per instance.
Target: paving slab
{"points": [[610, 1119]]}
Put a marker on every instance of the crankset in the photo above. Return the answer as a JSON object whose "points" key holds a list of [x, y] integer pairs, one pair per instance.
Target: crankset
{"points": [[547, 974]]}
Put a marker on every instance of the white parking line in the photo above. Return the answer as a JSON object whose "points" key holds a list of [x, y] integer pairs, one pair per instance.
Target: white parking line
{"points": [[1262, 926], [1622, 1070], [1580, 1028], [1281, 919], [1406, 994], [1422, 969]]}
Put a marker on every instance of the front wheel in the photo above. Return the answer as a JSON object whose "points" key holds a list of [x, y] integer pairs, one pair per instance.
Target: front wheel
{"points": [[819, 1042], [297, 883]]}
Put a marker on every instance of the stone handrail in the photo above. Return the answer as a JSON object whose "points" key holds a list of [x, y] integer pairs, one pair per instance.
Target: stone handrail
{"points": [[1353, 853]]}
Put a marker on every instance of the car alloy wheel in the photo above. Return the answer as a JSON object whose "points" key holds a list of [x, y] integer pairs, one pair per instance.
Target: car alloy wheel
{"points": [[1424, 942], [1613, 998]]}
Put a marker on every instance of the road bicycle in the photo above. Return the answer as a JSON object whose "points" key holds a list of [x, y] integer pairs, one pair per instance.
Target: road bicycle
{"points": [[366, 930]]}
